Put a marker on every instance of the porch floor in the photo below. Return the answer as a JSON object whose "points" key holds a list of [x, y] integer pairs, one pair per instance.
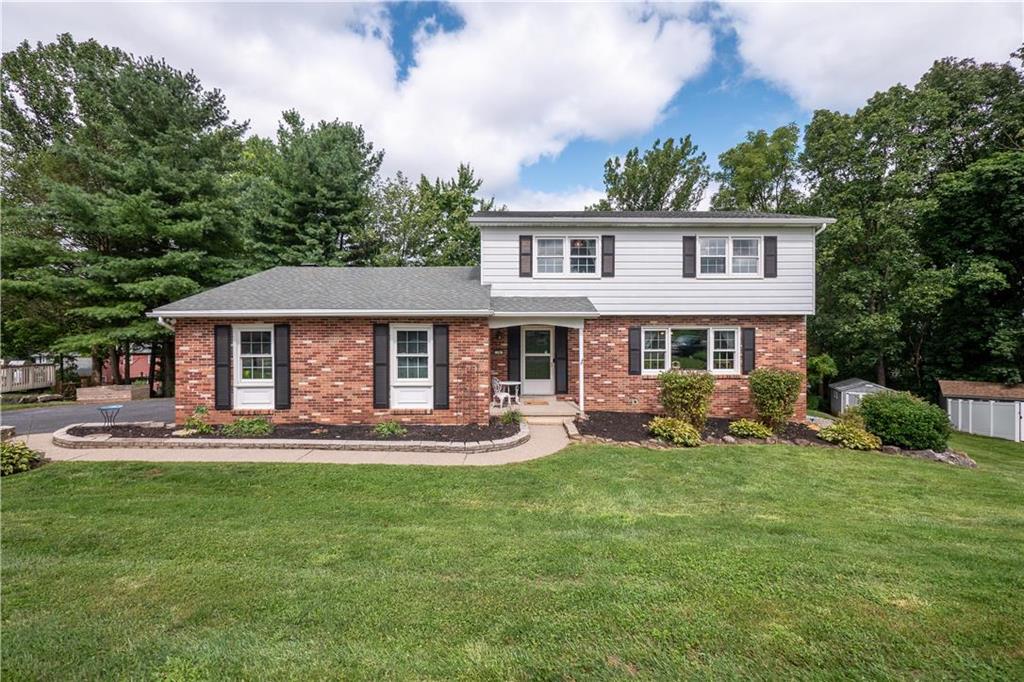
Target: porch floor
{"points": [[541, 406]]}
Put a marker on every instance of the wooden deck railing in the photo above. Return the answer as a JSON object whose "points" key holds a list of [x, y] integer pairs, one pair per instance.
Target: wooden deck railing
{"points": [[26, 377]]}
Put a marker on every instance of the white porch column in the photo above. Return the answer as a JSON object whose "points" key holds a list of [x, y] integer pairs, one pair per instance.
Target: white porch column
{"points": [[580, 336]]}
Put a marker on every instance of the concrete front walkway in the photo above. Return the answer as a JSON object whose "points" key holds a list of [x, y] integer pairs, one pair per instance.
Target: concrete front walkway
{"points": [[544, 440]]}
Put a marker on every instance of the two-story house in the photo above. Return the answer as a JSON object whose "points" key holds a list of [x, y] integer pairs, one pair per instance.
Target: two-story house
{"points": [[586, 307]]}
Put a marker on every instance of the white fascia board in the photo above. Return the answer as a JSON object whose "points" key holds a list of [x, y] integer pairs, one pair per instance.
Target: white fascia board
{"points": [[179, 314], [649, 222]]}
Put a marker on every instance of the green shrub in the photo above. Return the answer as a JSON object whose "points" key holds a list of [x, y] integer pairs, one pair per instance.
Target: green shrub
{"points": [[511, 417], [676, 431], [390, 429], [248, 427], [687, 395], [196, 423], [16, 457], [774, 392], [850, 436], [906, 421], [748, 428]]}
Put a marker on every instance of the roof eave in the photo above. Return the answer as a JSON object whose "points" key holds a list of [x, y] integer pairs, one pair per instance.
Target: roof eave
{"points": [[238, 314], [494, 221]]}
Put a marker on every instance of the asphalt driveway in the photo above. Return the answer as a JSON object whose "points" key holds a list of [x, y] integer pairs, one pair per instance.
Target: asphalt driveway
{"points": [[48, 419]]}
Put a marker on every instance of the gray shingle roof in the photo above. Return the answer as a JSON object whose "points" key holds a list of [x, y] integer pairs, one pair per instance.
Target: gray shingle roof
{"points": [[681, 215], [435, 289], [542, 304]]}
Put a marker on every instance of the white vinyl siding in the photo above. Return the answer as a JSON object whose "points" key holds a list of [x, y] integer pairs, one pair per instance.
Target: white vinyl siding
{"points": [[648, 272]]}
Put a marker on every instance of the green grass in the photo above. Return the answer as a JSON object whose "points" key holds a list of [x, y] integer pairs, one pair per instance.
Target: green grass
{"points": [[598, 562], [28, 406], [819, 413]]}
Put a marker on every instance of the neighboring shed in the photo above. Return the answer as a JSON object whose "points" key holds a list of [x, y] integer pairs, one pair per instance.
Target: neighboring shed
{"points": [[849, 392], [985, 408]]}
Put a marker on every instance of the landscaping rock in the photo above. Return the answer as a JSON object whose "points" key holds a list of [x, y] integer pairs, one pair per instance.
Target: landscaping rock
{"points": [[49, 397], [729, 439], [890, 450], [801, 442], [948, 457]]}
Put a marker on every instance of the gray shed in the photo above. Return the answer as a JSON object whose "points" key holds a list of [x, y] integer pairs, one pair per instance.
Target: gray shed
{"points": [[850, 392]]}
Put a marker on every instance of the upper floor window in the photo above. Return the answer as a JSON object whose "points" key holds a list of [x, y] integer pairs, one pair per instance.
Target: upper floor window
{"points": [[566, 256], [730, 256]]}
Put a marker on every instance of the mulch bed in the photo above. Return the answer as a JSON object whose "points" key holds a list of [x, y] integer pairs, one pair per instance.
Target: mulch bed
{"points": [[123, 431], [632, 427], [442, 434]]}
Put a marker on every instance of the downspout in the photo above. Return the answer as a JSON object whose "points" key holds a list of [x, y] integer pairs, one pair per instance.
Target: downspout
{"points": [[582, 406], [163, 323], [820, 229]]}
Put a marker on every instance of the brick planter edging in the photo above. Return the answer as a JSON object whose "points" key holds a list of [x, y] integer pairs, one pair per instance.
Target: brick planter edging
{"points": [[62, 438]]}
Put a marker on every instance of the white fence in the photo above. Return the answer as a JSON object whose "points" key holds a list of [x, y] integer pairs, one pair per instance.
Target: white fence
{"points": [[999, 419], [26, 377]]}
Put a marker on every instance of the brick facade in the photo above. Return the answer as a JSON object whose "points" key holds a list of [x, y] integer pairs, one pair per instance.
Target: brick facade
{"points": [[332, 372], [332, 367], [780, 342]]}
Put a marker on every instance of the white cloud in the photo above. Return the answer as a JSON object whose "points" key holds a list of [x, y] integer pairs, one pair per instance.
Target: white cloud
{"points": [[836, 55], [572, 199], [516, 83]]}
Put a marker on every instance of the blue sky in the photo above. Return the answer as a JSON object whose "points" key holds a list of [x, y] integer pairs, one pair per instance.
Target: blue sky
{"points": [[537, 96]]}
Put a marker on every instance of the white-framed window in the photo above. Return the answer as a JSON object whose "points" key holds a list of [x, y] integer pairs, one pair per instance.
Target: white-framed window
{"points": [[654, 350], [412, 354], [729, 256], [712, 349], [566, 256], [254, 354]]}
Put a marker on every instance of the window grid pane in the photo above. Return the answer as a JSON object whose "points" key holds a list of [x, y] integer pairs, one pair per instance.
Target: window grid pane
{"points": [[257, 368], [548, 264], [412, 342], [724, 359], [654, 349], [583, 256], [412, 367]]}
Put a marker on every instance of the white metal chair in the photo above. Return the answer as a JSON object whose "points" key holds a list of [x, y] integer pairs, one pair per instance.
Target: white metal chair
{"points": [[500, 395]]}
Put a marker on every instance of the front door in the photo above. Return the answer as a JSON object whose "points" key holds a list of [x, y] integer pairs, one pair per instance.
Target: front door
{"points": [[538, 365]]}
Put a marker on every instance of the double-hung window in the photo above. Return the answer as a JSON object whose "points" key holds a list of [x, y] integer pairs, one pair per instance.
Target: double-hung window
{"points": [[729, 256], [712, 350], [412, 347], [255, 354], [566, 256]]}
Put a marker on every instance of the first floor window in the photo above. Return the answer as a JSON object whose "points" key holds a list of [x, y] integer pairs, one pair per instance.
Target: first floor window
{"points": [[724, 349], [256, 355], [550, 255], [689, 349], [654, 349], [412, 354], [711, 350]]}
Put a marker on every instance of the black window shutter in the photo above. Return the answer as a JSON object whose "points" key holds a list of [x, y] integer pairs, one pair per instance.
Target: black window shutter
{"points": [[440, 366], [514, 339], [222, 366], [525, 255], [689, 256], [561, 359], [771, 256], [747, 344], [634, 350], [608, 255], [381, 388], [282, 367]]}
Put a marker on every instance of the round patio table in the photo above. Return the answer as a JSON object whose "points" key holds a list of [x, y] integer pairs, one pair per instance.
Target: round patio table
{"points": [[109, 413]]}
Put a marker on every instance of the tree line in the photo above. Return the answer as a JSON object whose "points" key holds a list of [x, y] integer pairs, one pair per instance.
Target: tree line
{"points": [[127, 185]]}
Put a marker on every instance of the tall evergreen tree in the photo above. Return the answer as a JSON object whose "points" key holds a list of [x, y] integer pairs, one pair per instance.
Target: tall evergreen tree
{"points": [[132, 190], [311, 195]]}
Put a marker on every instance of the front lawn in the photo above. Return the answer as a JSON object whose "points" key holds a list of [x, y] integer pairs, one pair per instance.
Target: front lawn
{"points": [[598, 562]]}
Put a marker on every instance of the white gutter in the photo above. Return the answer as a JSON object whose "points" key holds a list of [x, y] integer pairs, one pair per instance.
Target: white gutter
{"points": [[589, 315], [308, 312], [664, 222]]}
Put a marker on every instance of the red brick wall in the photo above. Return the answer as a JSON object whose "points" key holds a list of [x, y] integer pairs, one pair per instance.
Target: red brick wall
{"points": [[781, 342], [332, 371]]}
